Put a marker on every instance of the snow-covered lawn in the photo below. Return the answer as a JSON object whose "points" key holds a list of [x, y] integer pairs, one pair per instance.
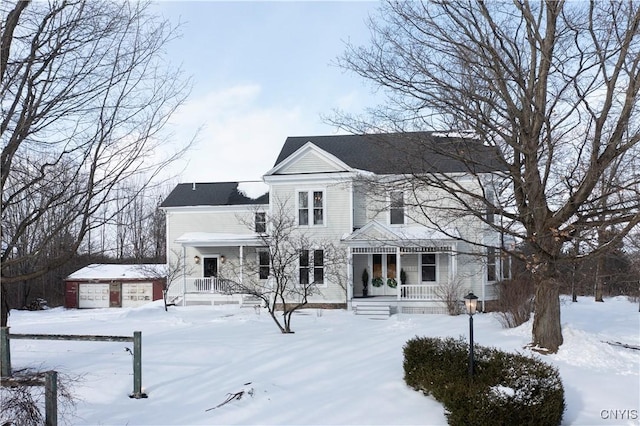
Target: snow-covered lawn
{"points": [[337, 368]]}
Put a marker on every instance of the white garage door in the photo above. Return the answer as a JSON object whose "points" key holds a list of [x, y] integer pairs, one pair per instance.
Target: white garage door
{"points": [[93, 296], [136, 294]]}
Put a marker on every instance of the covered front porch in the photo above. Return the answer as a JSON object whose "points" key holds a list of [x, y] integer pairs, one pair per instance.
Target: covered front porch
{"points": [[212, 264], [402, 273], [389, 264]]}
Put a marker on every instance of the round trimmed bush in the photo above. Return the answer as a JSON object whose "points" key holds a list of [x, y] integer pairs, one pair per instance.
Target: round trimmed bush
{"points": [[506, 388]]}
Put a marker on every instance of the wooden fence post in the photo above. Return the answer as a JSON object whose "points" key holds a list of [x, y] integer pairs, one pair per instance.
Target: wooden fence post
{"points": [[51, 398], [137, 366], [5, 353]]}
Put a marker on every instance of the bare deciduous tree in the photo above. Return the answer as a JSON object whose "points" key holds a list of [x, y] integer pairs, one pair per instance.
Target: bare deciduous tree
{"points": [[552, 85], [168, 273], [22, 398], [515, 302], [84, 95], [450, 293], [291, 266], [138, 224]]}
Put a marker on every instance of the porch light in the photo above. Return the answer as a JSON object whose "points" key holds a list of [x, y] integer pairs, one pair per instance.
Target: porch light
{"points": [[196, 259], [222, 259], [470, 302]]}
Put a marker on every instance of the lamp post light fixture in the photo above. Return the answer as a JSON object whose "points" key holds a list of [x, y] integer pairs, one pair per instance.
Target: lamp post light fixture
{"points": [[470, 303]]}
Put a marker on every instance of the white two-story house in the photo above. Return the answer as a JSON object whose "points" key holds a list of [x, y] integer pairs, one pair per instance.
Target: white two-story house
{"points": [[354, 190]]}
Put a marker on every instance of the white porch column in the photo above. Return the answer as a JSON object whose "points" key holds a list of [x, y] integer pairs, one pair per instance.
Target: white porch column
{"points": [[241, 250], [398, 269], [184, 276], [451, 277], [454, 262], [349, 294]]}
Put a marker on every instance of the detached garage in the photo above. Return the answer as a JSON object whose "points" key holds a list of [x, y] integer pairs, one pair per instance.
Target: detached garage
{"points": [[113, 286]]}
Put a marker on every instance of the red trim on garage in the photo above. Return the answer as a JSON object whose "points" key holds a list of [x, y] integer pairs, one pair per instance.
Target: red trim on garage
{"points": [[157, 289], [71, 295], [115, 291]]}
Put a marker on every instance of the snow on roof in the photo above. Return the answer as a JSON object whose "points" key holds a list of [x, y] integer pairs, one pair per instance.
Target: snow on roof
{"points": [[253, 190], [102, 271], [420, 233], [376, 231], [213, 239]]}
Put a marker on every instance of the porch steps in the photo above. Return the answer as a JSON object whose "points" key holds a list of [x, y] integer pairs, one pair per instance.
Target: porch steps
{"points": [[372, 310], [250, 302]]}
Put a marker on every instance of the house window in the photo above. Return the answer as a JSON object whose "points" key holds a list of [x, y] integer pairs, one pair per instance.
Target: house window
{"points": [[318, 267], [491, 264], [428, 261], [505, 266], [377, 266], [304, 267], [261, 222], [318, 208], [303, 208], [307, 268], [391, 266], [310, 205], [490, 208], [396, 209], [263, 264]]}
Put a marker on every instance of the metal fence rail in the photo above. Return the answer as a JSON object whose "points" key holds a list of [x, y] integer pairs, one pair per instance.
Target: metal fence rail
{"points": [[5, 351]]}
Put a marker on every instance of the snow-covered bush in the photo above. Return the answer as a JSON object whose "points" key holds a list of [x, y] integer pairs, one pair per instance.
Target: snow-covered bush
{"points": [[506, 389]]}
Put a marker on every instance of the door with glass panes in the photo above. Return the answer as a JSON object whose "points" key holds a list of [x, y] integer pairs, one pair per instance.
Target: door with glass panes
{"points": [[384, 277]]}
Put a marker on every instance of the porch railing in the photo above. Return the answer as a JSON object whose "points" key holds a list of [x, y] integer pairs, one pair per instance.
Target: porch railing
{"points": [[418, 292], [208, 285]]}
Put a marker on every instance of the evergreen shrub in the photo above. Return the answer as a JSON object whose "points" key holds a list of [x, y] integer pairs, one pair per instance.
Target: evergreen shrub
{"points": [[506, 389]]}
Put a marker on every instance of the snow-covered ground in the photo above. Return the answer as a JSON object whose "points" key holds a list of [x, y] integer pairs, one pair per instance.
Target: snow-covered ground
{"points": [[337, 368]]}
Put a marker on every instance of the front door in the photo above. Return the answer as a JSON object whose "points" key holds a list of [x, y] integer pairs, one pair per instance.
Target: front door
{"points": [[384, 273], [210, 267]]}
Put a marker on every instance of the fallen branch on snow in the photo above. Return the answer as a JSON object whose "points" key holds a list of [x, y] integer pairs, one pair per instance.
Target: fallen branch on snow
{"points": [[233, 396], [624, 345]]}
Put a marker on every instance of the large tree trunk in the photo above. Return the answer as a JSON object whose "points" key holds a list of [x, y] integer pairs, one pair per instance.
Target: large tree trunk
{"points": [[547, 330], [4, 306], [599, 279]]}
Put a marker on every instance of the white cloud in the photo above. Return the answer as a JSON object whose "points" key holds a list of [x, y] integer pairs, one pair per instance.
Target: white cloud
{"points": [[349, 101], [239, 138]]}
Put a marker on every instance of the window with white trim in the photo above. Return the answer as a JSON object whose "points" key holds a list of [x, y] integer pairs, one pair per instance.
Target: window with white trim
{"points": [[505, 266], [490, 216], [311, 267], [318, 267], [491, 264], [304, 267], [310, 208], [428, 265], [261, 222], [396, 208], [263, 263]]}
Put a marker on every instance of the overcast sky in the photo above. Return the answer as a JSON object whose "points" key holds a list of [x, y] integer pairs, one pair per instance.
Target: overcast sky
{"points": [[262, 71]]}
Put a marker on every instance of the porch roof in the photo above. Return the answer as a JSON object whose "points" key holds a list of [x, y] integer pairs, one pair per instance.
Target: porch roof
{"points": [[375, 234], [218, 239]]}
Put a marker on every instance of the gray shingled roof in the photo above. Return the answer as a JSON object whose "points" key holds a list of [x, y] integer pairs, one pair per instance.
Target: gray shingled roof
{"points": [[210, 194], [390, 153], [397, 153]]}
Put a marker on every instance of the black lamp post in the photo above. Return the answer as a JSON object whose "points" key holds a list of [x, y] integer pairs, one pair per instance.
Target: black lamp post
{"points": [[470, 302]]}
